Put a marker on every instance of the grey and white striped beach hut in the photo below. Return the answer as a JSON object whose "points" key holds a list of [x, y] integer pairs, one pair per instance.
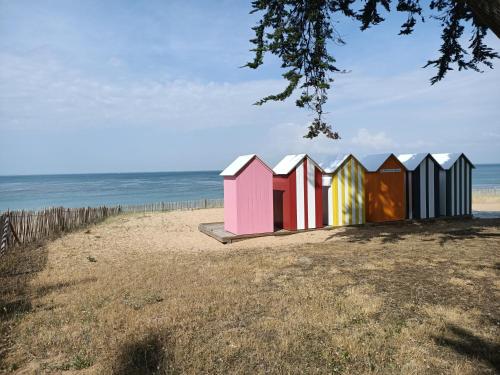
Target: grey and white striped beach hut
{"points": [[455, 184], [422, 185]]}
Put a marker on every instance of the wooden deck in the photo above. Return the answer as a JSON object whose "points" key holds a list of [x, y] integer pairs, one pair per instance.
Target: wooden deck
{"points": [[216, 230]]}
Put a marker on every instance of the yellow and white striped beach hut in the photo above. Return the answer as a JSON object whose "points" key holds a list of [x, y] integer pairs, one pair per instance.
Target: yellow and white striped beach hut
{"points": [[343, 191]]}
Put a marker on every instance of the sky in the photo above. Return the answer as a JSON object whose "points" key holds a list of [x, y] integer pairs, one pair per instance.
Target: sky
{"points": [[121, 86]]}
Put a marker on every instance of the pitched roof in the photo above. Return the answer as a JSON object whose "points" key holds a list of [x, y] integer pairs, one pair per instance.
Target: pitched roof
{"points": [[333, 164], [447, 160], [289, 162], [239, 163], [373, 162], [412, 161]]}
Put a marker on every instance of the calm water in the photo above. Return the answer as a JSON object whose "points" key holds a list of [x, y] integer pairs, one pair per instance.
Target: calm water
{"points": [[78, 190], [33, 192]]}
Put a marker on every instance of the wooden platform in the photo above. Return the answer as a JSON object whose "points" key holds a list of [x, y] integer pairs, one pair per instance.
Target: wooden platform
{"points": [[216, 230]]}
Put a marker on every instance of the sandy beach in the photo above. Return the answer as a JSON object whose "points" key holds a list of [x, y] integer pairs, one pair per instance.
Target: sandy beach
{"points": [[485, 202]]}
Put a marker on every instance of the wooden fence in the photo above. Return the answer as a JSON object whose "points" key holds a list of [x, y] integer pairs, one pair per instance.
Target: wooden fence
{"points": [[484, 191], [24, 227], [175, 206]]}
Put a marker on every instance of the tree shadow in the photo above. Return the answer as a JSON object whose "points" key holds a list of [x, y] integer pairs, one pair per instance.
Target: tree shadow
{"points": [[466, 234], [49, 288], [17, 267], [467, 344], [152, 354], [446, 229]]}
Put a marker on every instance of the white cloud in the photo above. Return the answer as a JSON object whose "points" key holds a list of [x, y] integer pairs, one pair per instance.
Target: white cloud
{"points": [[377, 141], [401, 113], [39, 91]]}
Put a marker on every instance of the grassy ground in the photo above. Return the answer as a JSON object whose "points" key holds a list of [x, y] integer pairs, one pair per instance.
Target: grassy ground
{"points": [[149, 294]]}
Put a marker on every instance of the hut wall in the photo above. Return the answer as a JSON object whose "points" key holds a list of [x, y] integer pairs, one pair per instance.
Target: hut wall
{"points": [[249, 200], [230, 205], [288, 186], [318, 189], [456, 189], [302, 197], [346, 195], [301, 191], [422, 193], [385, 192]]}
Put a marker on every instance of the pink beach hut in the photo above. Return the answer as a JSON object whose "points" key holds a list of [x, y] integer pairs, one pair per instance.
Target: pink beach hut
{"points": [[248, 196]]}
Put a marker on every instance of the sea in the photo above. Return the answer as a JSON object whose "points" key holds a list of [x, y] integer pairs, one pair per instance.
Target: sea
{"points": [[83, 190]]}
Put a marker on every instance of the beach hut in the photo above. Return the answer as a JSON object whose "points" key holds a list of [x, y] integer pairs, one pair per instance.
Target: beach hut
{"points": [[422, 185], [455, 184], [343, 191], [297, 190], [248, 196], [384, 188]]}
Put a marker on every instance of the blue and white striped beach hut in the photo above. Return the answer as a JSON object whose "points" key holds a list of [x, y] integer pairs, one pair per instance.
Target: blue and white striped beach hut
{"points": [[455, 184], [422, 185]]}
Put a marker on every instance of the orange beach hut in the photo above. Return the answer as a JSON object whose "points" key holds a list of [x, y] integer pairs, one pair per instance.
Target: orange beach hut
{"points": [[384, 188]]}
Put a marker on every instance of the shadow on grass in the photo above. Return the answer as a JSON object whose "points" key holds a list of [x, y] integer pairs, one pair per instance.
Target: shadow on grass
{"points": [[152, 354], [17, 268], [463, 234], [447, 230], [47, 289], [467, 344]]}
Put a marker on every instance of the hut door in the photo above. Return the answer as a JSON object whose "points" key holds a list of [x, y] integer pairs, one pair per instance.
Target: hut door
{"points": [[278, 209]]}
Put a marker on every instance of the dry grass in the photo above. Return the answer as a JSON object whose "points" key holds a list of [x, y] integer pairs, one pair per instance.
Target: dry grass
{"points": [[149, 294]]}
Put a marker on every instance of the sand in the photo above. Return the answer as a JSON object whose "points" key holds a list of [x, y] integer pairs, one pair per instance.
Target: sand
{"points": [[178, 232], [173, 232], [485, 202]]}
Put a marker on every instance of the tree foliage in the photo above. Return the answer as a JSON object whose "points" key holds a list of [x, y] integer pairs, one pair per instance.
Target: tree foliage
{"points": [[301, 33]]}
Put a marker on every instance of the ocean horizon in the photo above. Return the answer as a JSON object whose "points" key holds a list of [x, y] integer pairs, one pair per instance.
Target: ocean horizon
{"points": [[32, 192]]}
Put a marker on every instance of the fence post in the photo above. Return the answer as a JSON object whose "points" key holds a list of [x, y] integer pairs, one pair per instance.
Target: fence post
{"points": [[5, 233]]}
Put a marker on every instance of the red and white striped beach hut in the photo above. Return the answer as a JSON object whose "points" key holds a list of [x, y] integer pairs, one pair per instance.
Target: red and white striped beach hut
{"points": [[297, 193], [248, 196]]}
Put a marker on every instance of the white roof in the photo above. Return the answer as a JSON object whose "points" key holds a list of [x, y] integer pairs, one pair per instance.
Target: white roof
{"points": [[288, 163], [448, 159], [373, 162], [238, 164], [331, 165], [412, 161]]}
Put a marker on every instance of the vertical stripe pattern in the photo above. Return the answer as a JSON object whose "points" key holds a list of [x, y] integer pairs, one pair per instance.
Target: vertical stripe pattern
{"points": [[308, 196], [311, 195], [330, 204], [301, 215], [430, 189], [422, 190], [348, 194], [442, 193], [455, 194]]}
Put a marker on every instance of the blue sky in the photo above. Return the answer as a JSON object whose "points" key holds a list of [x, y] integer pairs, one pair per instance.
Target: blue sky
{"points": [[115, 86]]}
